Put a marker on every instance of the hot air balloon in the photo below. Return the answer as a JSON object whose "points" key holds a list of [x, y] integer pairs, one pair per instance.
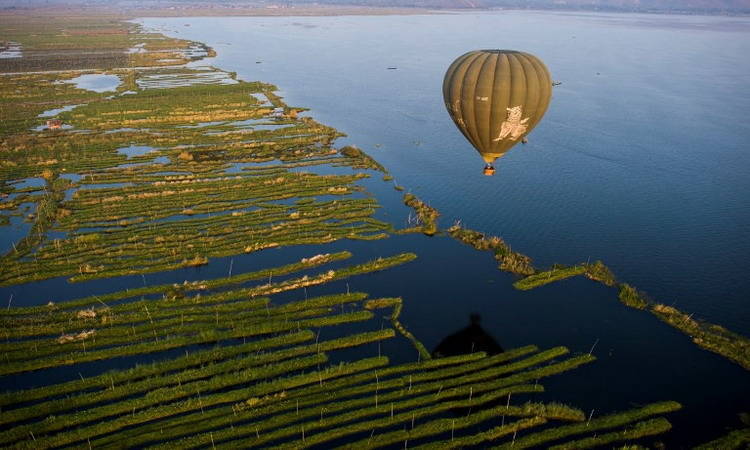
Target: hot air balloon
{"points": [[496, 97]]}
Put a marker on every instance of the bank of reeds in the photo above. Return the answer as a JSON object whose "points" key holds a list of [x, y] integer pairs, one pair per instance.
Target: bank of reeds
{"points": [[509, 260], [715, 338], [426, 214]]}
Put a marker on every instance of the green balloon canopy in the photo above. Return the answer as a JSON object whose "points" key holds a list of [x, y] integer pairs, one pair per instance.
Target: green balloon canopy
{"points": [[495, 98]]}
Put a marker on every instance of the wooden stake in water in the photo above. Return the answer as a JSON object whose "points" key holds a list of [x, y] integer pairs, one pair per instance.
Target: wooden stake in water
{"points": [[377, 386], [592, 347], [590, 416], [9, 301], [231, 263]]}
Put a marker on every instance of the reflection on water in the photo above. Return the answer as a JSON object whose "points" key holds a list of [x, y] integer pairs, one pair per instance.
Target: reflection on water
{"points": [[471, 339]]}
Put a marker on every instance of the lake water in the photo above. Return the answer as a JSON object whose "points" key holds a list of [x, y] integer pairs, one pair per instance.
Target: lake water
{"points": [[641, 161], [96, 82]]}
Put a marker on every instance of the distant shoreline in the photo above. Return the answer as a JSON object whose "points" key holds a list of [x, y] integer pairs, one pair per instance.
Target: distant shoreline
{"points": [[239, 10]]}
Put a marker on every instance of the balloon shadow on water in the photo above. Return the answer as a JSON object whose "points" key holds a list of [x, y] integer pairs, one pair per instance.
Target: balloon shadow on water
{"points": [[470, 339]]}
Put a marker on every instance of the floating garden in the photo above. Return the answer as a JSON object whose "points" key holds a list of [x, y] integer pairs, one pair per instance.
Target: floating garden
{"points": [[181, 166]]}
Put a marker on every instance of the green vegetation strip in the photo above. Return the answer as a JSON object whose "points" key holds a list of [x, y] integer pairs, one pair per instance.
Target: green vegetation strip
{"points": [[737, 439], [162, 395], [205, 336], [549, 276], [310, 262], [602, 423], [484, 436], [185, 376], [170, 322], [272, 404], [82, 433], [447, 427], [635, 431], [107, 380], [426, 215], [509, 260], [432, 385], [715, 338]]}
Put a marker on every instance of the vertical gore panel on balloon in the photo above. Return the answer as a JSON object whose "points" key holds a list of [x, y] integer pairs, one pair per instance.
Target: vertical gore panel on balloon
{"points": [[500, 100], [468, 88], [449, 94], [532, 90], [545, 93], [455, 83], [483, 100]]}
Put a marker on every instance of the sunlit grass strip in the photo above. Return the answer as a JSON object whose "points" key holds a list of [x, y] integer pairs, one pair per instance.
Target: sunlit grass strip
{"points": [[367, 400], [426, 215], [638, 430], [735, 440], [94, 255], [156, 319], [220, 367], [630, 296], [378, 395], [150, 315], [594, 425], [397, 307], [82, 433], [272, 404], [509, 260], [138, 257], [273, 288], [149, 331], [549, 276], [403, 412], [306, 263], [715, 338], [446, 427], [106, 380], [204, 336], [161, 396], [324, 415], [484, 436]]}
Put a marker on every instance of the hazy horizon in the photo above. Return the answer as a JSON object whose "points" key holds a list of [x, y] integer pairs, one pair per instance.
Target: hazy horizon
{"points": [[658, 6]]}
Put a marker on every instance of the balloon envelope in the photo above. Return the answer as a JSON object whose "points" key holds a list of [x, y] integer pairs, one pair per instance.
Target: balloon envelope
{"points": [[496, 97]]}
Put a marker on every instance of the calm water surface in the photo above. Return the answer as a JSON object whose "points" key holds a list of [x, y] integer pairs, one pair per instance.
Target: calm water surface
{"points": [[641, 161]]}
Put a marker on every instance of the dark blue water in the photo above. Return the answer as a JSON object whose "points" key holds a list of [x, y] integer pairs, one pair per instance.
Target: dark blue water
{"points": [[641, 161]]}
